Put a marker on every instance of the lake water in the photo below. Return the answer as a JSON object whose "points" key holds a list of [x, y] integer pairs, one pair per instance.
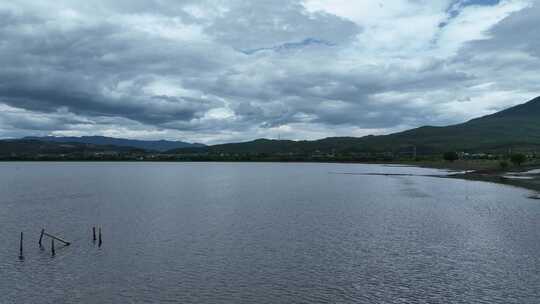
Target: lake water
{"points": [[264, 233]]}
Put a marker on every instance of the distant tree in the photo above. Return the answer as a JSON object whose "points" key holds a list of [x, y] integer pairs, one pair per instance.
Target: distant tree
{"points": [[518, 159], [451, 156], [503, 164]]}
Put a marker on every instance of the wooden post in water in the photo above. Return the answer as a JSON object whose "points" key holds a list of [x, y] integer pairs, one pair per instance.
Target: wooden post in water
{"points": [[52, 247], [21, 247], [41, 237], [94, 233], [100, 241], [57, 238]]}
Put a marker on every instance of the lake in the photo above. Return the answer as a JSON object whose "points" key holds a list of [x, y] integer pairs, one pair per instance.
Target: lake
{"points": [[264, 233]]}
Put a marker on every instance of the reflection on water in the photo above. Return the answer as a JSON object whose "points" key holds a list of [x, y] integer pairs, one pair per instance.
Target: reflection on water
{"points": [[264, 233]]}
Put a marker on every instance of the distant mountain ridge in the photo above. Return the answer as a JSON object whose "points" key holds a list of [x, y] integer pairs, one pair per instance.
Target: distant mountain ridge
{"points": [[29, 148], [150, 145], [515, 127]]}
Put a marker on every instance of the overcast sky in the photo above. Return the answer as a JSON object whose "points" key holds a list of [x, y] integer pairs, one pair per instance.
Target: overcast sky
{"points": [[216, 71]]}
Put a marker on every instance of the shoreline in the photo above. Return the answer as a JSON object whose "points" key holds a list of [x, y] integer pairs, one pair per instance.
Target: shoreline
{"points": [[532, 183], [488, 171]]}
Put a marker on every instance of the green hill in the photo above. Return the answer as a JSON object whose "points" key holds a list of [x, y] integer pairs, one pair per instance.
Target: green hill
{"points": [[517, 127]]}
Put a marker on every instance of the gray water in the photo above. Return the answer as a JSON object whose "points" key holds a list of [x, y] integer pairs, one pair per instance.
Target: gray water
{"points": [[264, 233]]}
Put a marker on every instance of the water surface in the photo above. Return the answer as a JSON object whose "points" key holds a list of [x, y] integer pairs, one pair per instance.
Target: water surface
{"points": [[264, 233]]}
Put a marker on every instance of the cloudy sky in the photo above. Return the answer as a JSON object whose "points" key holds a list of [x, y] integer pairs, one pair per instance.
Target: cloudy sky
{"points": [[216, 71]]}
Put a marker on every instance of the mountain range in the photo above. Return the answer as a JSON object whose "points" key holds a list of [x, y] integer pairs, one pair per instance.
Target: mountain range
{"points": [[515, 128], [29, 148], [149, 145]]}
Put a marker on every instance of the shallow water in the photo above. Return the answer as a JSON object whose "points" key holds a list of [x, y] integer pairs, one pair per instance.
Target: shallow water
{"points": [[264, 233]]}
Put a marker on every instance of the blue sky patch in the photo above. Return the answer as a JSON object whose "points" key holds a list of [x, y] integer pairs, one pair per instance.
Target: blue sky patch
{"points": [[455, 8]]}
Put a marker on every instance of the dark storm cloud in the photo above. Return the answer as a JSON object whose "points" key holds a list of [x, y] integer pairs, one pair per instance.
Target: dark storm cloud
{"points": [[45, 68]]}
